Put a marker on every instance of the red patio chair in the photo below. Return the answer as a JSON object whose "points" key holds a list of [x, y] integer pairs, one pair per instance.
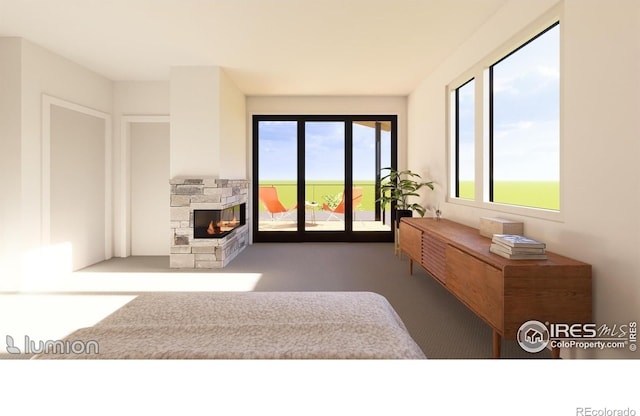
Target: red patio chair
{"points": [[339, 209], [269, 197]]}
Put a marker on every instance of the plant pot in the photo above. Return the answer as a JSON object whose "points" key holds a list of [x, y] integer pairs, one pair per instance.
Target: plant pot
{"points": [[400, 213]]}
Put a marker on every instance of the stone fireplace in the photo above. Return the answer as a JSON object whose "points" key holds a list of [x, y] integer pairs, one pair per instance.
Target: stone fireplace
{"points": [[208, 221]]}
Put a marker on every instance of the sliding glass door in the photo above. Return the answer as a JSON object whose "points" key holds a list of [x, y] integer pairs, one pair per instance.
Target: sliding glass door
{"points": [[373, 148], [277, 191], [324, 144], [316, 177]]}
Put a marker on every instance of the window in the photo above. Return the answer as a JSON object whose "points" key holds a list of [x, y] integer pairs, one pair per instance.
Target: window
{"points": [[525, 124], [317, 177], [465, 140], [519, 115]]}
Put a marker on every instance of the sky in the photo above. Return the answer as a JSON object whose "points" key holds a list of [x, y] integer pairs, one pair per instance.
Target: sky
{"points": [[324, 151], [526, 114]]}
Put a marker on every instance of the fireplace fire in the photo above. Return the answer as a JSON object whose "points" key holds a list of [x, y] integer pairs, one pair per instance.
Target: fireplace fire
{"points": [[217, 223]]}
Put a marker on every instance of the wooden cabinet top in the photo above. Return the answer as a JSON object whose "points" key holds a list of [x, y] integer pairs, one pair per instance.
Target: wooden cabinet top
{"points": [[469, 240]]}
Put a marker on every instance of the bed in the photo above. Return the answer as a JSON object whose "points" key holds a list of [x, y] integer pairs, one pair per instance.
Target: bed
{"points": [[246, 325]]}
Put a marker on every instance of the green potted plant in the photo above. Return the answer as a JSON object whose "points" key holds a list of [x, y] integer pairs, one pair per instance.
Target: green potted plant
{"points": [[396, 187]]}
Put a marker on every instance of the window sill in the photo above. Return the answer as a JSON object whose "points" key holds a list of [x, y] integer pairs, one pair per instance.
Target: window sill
{"points": [[539, 213]]}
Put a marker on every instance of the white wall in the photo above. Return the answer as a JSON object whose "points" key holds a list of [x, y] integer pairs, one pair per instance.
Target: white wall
{"points": [[10, 174], [600, 147], [601, 134], [40, 72], [140, 98], [44, 72]]}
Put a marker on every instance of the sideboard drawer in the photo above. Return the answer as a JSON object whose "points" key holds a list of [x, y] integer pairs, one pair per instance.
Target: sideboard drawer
{"points": [[433, 256], [479, 285], [411, 241]]}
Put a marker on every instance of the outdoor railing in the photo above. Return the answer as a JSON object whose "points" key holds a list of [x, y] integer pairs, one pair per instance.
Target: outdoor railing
{"points": [[322, 191]]}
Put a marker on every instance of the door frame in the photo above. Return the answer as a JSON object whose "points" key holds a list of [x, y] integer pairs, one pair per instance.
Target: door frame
{"points": [[301, 235], [123, 214]]}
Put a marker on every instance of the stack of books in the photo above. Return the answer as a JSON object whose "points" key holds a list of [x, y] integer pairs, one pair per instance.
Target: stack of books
{"points": [[517, 247]]}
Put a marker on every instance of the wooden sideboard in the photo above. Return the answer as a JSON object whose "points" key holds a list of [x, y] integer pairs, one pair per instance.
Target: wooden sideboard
{"points": [[504, 293]]}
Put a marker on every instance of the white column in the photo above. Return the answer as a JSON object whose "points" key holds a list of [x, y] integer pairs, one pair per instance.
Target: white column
{"points": [[195, 122]]}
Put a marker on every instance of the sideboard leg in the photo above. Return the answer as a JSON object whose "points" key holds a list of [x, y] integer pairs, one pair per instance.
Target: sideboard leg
{"points": [[396, 242], [497, 343], [410, 266]]}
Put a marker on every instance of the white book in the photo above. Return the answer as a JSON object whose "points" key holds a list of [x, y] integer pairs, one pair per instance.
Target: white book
{"points": [[495, 248], [520, 250], [512, 240]]}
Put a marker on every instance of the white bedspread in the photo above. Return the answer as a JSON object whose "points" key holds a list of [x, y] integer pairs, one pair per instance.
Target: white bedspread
{"points": [[254, 325]]}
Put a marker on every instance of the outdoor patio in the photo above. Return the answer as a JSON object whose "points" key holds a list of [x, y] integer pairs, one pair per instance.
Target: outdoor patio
{"points": [[316, 220]]}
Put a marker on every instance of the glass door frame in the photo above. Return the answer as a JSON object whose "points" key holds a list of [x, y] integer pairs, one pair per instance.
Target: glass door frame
{"points": [[302, 235]]}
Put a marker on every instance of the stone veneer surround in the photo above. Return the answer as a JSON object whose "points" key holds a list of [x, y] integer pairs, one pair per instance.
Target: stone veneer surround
{"points": [[188, 194]]}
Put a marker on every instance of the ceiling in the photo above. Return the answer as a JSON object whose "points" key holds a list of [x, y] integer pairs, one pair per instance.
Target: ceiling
{"points": [[267, 47]]}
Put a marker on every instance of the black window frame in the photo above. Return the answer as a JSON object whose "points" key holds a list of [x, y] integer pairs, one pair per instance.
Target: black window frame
{"points": [[457, 136], [491, 115], [348, 235]]}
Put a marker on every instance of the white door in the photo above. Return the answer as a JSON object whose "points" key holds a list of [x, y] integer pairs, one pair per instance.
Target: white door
{"points": [[150, 235]]}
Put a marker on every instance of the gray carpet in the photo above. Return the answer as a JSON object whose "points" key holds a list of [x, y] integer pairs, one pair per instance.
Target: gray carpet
{"points": [[439, 323]]}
